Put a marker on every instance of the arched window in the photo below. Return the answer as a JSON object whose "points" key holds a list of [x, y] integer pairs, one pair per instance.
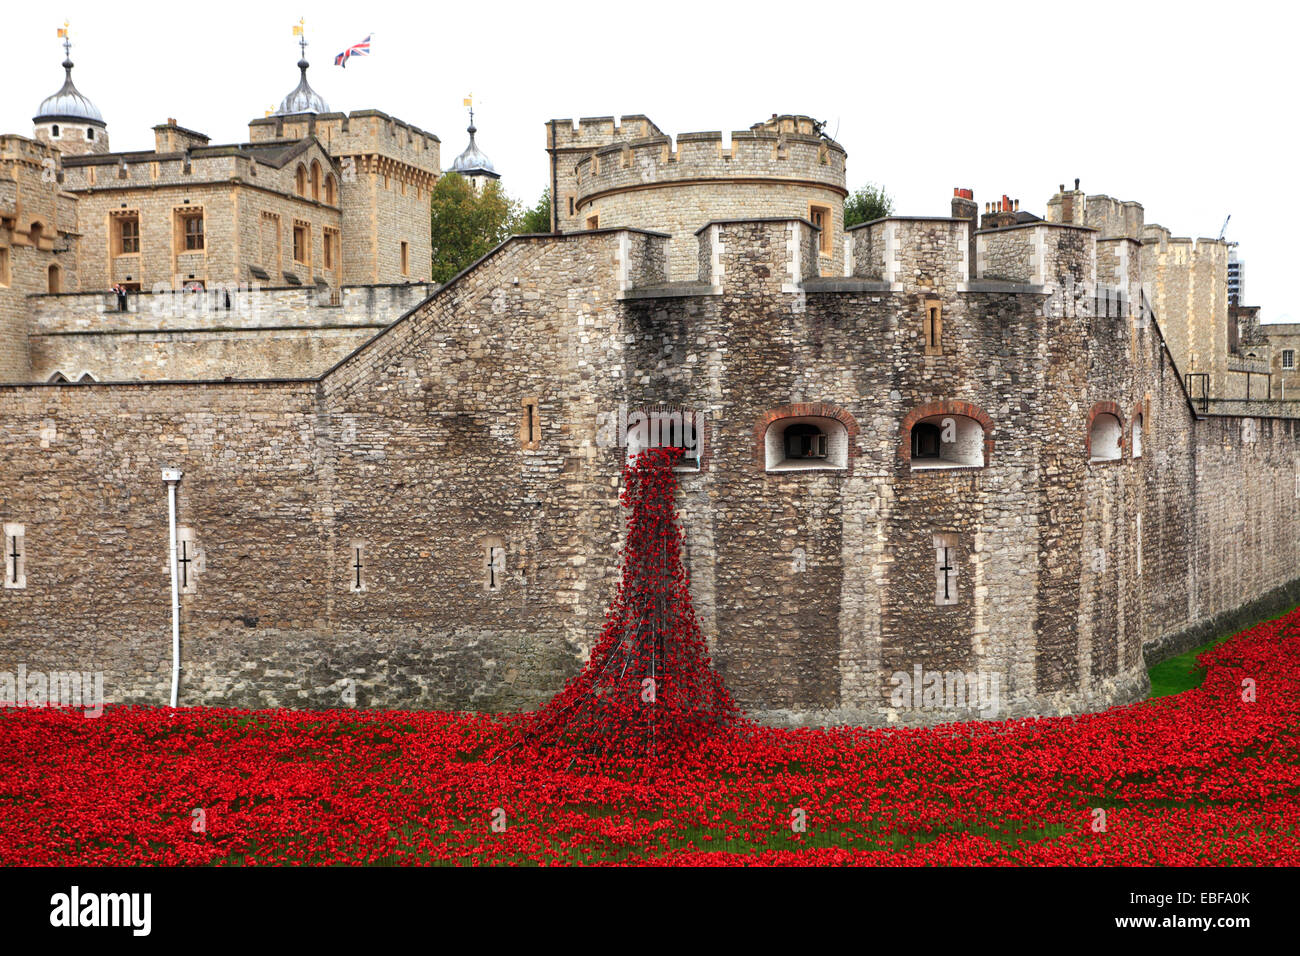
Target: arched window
{"points": [[947, 441], [806, 443], [86, 377], [34, 233], [300, 180], [945, 434], [329, 188], [1137, 435], [1105, 437], [90, 133], [56, 378], [54, 131], [315, 180], [55, 280]]}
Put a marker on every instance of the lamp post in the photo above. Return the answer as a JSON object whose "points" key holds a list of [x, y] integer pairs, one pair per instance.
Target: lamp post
{"points": [[172, 477]]}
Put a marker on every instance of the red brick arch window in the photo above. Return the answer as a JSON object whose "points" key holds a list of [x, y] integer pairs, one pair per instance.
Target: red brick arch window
{"points": [[806, 436], [1104, 438], [964, 417]]}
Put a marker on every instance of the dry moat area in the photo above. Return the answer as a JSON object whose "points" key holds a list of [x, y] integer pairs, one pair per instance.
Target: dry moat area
{"points": [[1209, 775]]}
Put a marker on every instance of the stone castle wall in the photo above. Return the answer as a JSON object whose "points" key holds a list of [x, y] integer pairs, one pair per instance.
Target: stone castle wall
{"points": [[344, 463], [38, 231], [265, 333], [815, 586], [104, 593]]}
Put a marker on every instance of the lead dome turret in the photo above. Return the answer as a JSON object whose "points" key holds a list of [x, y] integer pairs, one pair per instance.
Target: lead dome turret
{"points": [[67, 119]]}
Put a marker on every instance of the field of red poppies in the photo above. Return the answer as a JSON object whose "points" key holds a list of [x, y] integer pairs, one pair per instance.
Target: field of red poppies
{"points": [[1204, 777]]}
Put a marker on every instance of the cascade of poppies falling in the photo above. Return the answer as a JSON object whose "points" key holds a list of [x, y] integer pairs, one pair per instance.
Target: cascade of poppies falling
{"points": [[649, 689]]}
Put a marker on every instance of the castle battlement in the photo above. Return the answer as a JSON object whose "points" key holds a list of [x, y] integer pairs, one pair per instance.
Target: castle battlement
{"points": [[359, 133], [1110, 217], [592, 132], [936, 254], [1049, 254], [21, 149], [768, 255], [1157, 235], [760, 154], [824, 401], [924, 251]]}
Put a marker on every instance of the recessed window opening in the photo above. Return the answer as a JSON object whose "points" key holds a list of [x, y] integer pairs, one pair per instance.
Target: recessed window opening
{"points": [[496, 567], [806, 444], [805, 441], [945, 569], [947, 441], [667, 427], [1105, 438], [15, 556]]}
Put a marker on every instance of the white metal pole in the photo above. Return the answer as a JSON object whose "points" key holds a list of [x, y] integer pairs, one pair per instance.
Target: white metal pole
{"points": [[172, 476]]}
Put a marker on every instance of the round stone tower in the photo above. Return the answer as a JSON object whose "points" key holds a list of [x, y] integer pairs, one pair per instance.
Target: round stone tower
{"points": [[781, 167]]}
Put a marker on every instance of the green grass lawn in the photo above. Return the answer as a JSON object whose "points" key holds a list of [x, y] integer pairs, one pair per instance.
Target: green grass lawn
{"points": [[1181, 673]]}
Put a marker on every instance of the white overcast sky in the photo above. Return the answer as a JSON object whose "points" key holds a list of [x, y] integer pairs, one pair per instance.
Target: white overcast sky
{"points": [[1188, 108]]}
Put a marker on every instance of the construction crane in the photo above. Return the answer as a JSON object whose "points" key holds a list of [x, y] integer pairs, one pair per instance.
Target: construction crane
{"points": [[1225, 227]]}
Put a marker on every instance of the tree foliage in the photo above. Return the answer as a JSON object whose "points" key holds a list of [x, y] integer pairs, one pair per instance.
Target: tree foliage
{"points": [[465, 225], [868, 203], [536, 218]]}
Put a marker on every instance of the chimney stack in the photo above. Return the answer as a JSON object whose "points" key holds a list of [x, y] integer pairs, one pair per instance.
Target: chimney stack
{"points": [[1000, 213], [965, 207]]}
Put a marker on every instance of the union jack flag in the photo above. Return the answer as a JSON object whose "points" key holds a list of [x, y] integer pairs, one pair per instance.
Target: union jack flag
{"points": [[357, 49]]}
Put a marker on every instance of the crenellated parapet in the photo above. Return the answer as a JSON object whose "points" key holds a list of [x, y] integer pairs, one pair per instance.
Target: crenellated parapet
{"points": [[1051, 255], [568, 142], [757, 256], [1111, 217], [757, 153], [593, 132], [359, 133], [921, 254]]}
